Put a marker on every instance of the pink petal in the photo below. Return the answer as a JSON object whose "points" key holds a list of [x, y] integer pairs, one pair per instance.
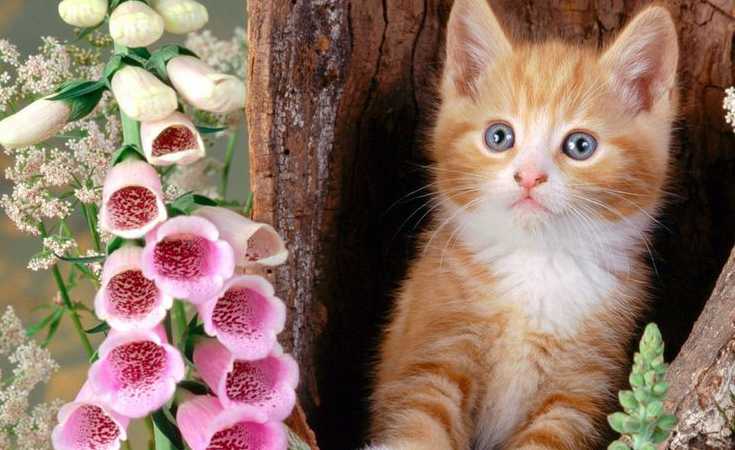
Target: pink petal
{"points": [[187, 260], [173, 140], [245, 317], [266, 384], [127, 300], [136, 373], [205, 425], [87, 424], [132, 200], [254, 243]]}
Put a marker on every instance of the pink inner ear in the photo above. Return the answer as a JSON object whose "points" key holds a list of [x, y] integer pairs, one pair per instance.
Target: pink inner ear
{"points": [[132, 207], [183, 257], [89, 428], [174, 139], [131, 295]]}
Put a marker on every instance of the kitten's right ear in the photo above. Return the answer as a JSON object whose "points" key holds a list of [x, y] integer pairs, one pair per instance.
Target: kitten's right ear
{"points": [[474, 40]]}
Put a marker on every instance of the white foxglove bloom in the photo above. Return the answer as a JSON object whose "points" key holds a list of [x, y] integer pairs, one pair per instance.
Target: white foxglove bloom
{"points": [[83, 13], [135, 24], [35, 123], [204, 87], [141, 95], [181, 16], [173, 140]]}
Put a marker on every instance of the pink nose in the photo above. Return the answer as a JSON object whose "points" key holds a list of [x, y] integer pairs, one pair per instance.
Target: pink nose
{"points": [[530, 178]]}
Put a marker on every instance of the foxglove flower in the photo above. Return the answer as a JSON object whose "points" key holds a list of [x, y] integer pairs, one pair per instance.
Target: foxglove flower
{"points": [[141, 95], [83, 13], [127, 300], [173, 140], [245, 317], [35, 123], [136, 372], [253, 242], [206, 425], [88, 424], [132, 200], [205, 88], [181, 16], [266, 384], [135, 24], [187, 259]]}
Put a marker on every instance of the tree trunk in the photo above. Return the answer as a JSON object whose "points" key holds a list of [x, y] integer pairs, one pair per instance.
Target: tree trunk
{"points": [[340, 97]]}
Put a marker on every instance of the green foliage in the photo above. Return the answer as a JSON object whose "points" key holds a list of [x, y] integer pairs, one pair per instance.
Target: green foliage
{"points": [[644, 422]]}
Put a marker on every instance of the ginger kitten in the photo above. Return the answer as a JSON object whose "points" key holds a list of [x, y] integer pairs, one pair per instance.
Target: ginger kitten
{"points": [[511, 329]]}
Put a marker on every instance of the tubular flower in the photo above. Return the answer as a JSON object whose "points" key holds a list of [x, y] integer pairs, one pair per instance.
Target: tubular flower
{"points": [[127, 300], [137, 372], [187, 259], [35, 123], [135, 24], [245, 317], [253, 242], [181, 16], [205, 88], [206, 425], [266, 384], [132, 200], [88, 424], [83, 13], [173, 140], [141, 95]]}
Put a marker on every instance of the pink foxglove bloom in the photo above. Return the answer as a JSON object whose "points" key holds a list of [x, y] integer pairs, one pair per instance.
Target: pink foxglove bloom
{"points": [[205, 88], [266, 384], [141, 95], [187, 259], [206, 425], [173, 140], [135, 24], [87, 424], [35, 123], [181, 16], [83, 13], [127, 300], [136, 372], [254, 243], [245, 317], [132, 200]]}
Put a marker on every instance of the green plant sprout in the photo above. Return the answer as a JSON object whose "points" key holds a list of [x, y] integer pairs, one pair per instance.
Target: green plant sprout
{"points": [[645, 423]]}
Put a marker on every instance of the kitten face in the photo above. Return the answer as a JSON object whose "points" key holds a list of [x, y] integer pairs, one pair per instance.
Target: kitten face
{"points": [[533, 136]]}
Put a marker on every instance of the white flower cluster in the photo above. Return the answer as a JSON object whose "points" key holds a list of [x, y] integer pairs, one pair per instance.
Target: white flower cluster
{"points": [[227, 56], [729, 105], [32, 365]]}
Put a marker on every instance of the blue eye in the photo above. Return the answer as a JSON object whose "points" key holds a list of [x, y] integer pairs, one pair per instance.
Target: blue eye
{"points": [[579, 146], [499, 137]]}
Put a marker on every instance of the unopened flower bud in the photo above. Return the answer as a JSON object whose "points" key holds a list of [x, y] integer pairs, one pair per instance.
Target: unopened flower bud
{"points": [[181, 16], [35, 123], [83, 13], [205, 88], [135, 24], [141, 95]]}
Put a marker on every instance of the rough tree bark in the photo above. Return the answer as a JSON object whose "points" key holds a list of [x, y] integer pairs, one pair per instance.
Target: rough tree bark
{"points": [[340, 94]]}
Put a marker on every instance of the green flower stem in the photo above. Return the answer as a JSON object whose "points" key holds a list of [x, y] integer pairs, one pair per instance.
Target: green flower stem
{"points": [[64, 292], [179, 317], [124, 445], [229, 153], [90, 214]]}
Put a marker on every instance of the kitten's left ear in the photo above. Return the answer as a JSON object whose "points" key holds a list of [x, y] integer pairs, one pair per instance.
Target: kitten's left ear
{"points": [[643, 59]]}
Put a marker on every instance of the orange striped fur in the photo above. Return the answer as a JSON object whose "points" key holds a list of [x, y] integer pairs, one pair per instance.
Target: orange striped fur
{"points": [[511, 328]]}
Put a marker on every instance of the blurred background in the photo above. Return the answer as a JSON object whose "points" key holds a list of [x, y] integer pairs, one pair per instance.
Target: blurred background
{"points": [[24, 22]]}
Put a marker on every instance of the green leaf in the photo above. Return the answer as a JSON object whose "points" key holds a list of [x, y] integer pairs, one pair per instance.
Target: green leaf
{"points": [[195, 387], [655, 409], [188, 202], [158, 60], [617, 421], [618, 445], [101, 328], [666, 422], [127, 152], [163, 423], [647, 446], [627, 400], [53, 328], [82, 259], [77, 88], [114, 244], [39, 326], [209, 130]]}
